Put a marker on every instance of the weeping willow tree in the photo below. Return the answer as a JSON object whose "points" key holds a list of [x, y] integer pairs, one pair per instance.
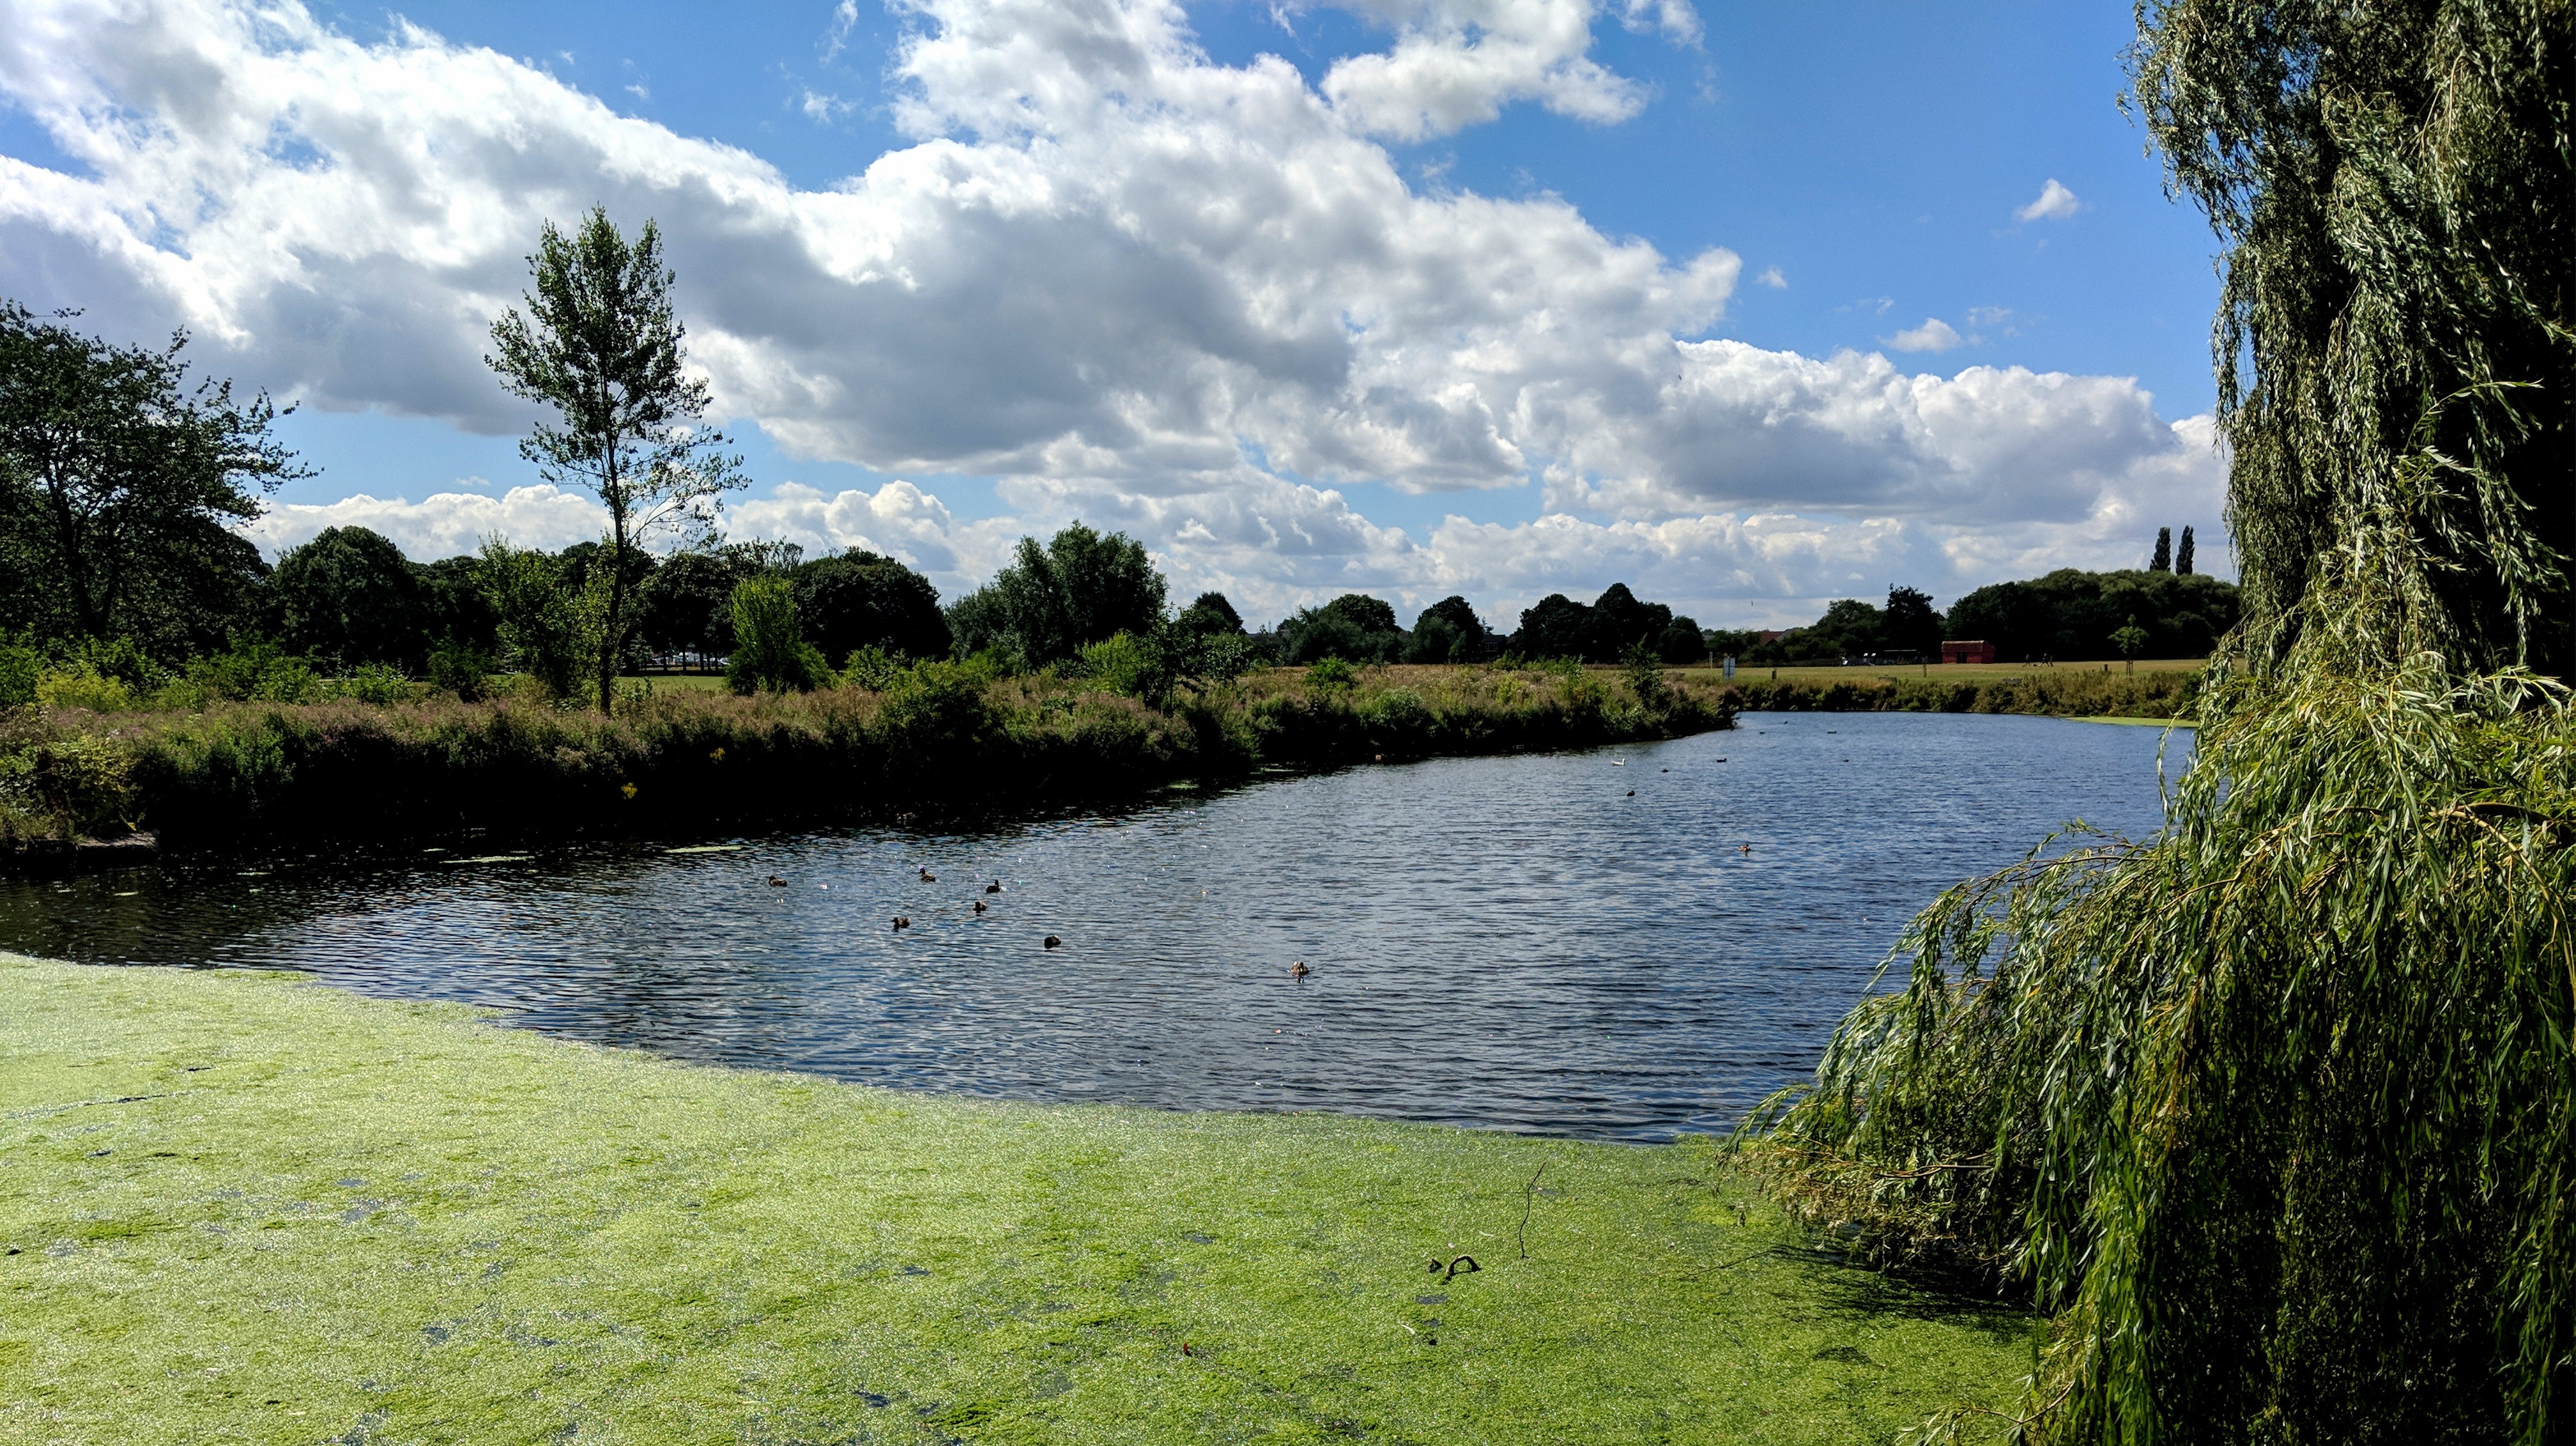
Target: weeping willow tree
{"points": [[2276, 1110]]}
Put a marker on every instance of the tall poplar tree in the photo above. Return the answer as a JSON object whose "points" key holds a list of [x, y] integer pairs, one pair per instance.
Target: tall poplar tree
{"points": [[600, 344]]}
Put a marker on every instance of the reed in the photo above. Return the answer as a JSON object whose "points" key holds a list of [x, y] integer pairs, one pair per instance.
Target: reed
{"points": [[940, 739]]}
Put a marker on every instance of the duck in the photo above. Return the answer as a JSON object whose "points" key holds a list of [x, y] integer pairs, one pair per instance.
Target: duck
{"points": [[776, 882], [1053, 942], [1748, 849], [928, 877], [1299, 969], [901, 922], [981, 906], [994, 887], [1632, 793]]}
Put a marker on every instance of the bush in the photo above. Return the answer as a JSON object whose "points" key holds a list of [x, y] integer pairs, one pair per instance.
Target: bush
{"points": [[541, 621], [253, 671], [872, 668], [82, 685], [1330, 677], [373, 683], [1120, 664], [457, 668], [770, 653], [20, 666]]}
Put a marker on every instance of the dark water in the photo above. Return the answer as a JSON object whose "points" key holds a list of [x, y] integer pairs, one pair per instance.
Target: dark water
{"points": [[1504, 942]]}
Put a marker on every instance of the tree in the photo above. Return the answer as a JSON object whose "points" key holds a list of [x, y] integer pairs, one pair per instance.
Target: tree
{"points": [[1553, 627], [1461, 617], [2162, 560], [863, 600], [542, 626], [769, 652], [1354, 627], [1081, 587], [2182, 555], [2130, 641], [2274, 1108], [1619, 623], [2392, 186], [1682, 642], [118, 482], [601, 345], [454, 607], [1210, 615], [688, 605], [350, 597], [1911, 624]]}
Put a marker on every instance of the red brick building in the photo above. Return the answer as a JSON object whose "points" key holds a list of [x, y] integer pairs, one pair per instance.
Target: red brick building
{"points": [[1973, 651]]}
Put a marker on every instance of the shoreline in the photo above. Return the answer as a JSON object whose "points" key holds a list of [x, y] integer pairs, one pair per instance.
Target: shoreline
{"points": [[239, 1201]]}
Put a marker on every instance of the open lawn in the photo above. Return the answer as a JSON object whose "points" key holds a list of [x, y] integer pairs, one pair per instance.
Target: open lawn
{"points": [[240, 1207]]}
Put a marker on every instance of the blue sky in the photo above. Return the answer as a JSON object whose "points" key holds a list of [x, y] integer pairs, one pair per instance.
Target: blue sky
{"points": [[1863, 164]]}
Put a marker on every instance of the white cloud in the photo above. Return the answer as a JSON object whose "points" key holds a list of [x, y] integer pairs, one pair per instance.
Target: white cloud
{"points": [[2055, 203], [443, 524], [1772, 278], [1134, 285], [845, 18], [823, 109], [1933, 335], [1457, 63]]}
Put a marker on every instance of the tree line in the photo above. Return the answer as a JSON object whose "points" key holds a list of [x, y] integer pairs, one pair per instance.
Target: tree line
{"points": [[2067, 615]]}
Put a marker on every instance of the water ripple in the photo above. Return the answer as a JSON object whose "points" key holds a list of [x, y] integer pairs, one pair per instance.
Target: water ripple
{"points": [[1513, 943]]}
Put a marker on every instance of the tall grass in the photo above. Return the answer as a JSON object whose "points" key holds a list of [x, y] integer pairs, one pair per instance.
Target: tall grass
{"points": [[2061, 692], [939, 738]]}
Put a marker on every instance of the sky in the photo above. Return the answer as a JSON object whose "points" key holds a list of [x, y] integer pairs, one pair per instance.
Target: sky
{"points": [[1748, 305]]}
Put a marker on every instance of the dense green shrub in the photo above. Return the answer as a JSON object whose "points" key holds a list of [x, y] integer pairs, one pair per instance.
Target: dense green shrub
{"points": [[770, 653]]}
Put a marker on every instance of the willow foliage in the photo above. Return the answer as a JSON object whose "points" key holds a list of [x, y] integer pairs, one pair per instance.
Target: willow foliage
{"points": [[2277, 1109], [2395, 187]]}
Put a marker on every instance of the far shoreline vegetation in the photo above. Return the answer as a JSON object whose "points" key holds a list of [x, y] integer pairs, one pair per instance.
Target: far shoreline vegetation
{"points": [[157, 676]]}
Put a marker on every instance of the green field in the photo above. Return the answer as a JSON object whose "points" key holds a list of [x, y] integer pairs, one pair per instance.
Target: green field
{"points": [[239, 1207]]}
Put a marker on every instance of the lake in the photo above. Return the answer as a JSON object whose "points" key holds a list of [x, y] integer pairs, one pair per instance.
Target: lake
{"points": [[1515, 943]]}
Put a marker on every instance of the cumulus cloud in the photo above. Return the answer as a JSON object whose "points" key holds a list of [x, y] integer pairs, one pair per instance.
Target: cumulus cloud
{"points": [[1456, 63], [1772, 278], [2055, 203], [443, 524], [1193, 300], [1933, 335]]}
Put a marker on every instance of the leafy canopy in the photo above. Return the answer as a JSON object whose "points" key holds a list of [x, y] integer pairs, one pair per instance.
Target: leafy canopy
{"points": [[600, 344], [118, 485]]}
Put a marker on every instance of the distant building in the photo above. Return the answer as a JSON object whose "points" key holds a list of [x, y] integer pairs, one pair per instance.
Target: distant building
{"points": [[1973, 651], [1770, 635]]}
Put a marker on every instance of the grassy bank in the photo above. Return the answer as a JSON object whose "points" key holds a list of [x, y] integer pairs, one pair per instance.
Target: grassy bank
{"points": [[2150, 693], [940, 739], [241, 1208]]}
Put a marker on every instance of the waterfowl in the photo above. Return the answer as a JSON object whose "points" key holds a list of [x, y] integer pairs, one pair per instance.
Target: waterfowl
{"points": [[901, 922], [1299, 969], [1632, 793], [1053, 942], [776, 882], [994, 887], [981, 906], [928, 877], [1748, 848]]}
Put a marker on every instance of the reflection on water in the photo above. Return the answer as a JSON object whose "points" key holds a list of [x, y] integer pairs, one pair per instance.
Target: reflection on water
{"points": [[1506, 942]]}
